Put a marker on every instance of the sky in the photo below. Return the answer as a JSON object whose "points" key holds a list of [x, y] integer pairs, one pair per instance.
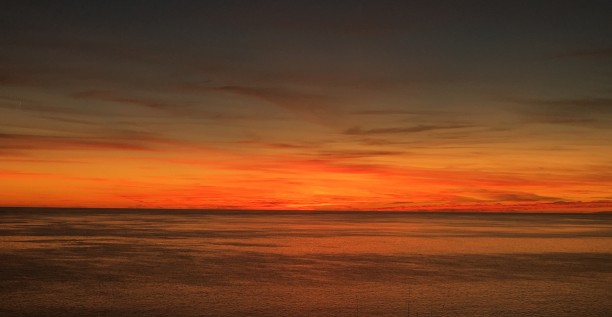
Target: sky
{"points": [[307, 105]]}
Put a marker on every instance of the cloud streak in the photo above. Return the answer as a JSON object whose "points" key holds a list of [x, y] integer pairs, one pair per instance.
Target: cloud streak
{"points": [[122, 141], [587, 53], [585, 111], [300, 103], [402, 130], [103, 95]]}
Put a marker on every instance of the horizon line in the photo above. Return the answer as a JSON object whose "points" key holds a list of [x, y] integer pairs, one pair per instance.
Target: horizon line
{"points": [[432, 211]]}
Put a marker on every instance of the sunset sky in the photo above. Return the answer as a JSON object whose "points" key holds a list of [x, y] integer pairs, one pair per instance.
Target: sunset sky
{"points": [[333, 105]]}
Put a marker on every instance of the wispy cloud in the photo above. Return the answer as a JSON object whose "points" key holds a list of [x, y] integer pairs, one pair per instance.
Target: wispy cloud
{"points": [[383, 112], [511, 196], [401, 113], [94, 48], [278, 145], [301, 103], [585, 104], [402, 130], [587, 53], [104, 95], [362, 20], [125, 141], [12, 174], [354, 154], [69, 120], [565, 111], [35, 106], [161, 103]]}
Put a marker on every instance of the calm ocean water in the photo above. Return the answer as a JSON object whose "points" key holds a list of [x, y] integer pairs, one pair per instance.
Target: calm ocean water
{"points": [[188, 263]]}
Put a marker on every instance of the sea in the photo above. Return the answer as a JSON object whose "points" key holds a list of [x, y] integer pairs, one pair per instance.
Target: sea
{"points": [[130, 262]]}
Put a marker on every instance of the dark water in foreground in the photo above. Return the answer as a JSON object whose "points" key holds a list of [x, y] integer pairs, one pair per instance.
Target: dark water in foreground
{"points": [[186, 263]]}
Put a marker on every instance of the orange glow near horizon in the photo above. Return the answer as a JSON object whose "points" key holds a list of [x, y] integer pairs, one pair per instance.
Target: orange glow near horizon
{"points": [[290, 180]]}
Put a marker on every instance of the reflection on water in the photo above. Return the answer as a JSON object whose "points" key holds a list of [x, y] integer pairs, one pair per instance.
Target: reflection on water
{"points": [[200, 263]]}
